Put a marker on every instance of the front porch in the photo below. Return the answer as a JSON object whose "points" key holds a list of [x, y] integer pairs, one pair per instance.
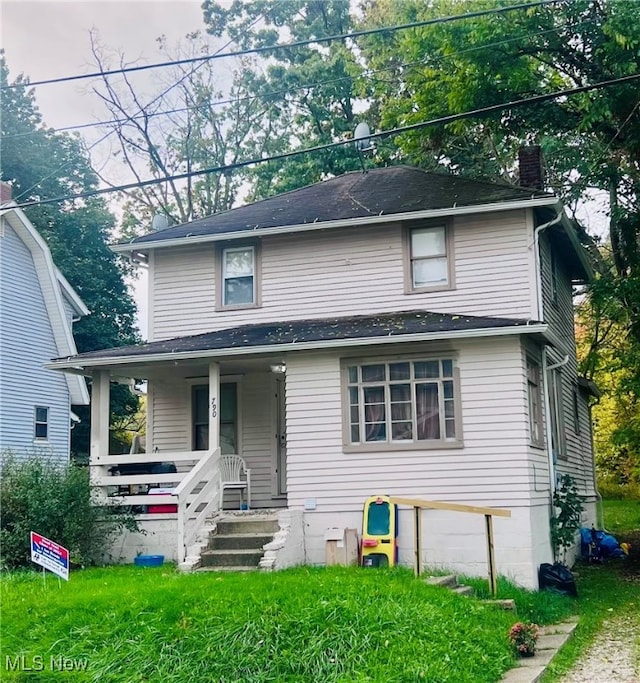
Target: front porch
{"points": [[199, 413]]}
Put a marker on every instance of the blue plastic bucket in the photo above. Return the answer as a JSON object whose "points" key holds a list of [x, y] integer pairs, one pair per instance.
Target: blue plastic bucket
{"points": [[149, 560]]}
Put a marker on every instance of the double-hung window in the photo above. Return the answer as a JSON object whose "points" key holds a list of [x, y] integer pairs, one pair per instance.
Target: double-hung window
{"points": [[402, 404], [238, 276], [428, 258], [534, 392], [41, 423]]}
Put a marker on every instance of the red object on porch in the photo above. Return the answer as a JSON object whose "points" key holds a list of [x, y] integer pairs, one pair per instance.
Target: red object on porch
{"points": [[164, 507]]}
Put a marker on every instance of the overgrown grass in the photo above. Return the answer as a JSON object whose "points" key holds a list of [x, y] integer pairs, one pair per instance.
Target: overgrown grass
{"points": [[621, 515], [306, 624]]}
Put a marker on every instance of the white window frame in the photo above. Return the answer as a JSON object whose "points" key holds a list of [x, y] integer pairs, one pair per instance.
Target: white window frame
{"points": [[409, 258], [389, 444], [221, 279], [37, 422]]}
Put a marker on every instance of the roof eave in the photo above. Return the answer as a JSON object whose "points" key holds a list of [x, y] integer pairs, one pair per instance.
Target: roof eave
{"points": [[141, 247], [78, 365]]}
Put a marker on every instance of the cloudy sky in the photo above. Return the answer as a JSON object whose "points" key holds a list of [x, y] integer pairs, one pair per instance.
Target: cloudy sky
{"points": [[47, 39]]}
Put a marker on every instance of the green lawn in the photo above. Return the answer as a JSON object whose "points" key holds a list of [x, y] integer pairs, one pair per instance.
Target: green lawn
{"points": [[307, 624], [621, 515]]}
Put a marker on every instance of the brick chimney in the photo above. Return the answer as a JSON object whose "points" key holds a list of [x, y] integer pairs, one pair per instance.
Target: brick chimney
{"points": [[531, 173], [5, 192]]}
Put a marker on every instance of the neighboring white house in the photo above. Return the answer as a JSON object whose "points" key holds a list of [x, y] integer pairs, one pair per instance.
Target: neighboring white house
{"points": [[37, 310], [424, 324]]}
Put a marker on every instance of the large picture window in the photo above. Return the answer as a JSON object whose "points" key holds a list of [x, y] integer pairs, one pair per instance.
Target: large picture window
{"points": [[402, 403]]}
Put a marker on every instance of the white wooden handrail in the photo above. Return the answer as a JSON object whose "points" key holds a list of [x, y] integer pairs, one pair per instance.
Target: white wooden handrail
{"points": [[194, 508]]}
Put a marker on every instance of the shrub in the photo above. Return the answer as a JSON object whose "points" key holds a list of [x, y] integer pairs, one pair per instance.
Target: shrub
{"points": [[55, 501], [567, 518]]}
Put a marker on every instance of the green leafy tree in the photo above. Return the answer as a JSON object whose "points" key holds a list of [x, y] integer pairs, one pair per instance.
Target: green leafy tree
{"points": [[40, 163]]}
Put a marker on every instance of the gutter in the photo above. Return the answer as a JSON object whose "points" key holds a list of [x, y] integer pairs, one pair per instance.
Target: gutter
{"points": [[79, 366], [133, 247]]}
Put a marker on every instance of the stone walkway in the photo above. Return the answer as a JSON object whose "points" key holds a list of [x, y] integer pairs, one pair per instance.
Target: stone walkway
{"points": [[610, 659]]}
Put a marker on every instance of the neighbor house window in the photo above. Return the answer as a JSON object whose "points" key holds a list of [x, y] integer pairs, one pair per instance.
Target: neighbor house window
{"points": [[534, 390], [238, 276], [428, 257], [402, 404], [41, 428]]}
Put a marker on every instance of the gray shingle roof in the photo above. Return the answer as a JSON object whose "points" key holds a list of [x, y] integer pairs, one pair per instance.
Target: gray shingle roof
{"points": [[387, 325], [380, 191]]}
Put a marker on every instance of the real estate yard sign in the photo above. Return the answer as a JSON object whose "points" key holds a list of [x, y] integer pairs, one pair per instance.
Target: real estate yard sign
{"points": [[50, 555]]}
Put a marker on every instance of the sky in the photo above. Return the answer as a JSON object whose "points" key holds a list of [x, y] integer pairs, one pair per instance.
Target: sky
{"points": [[48, 39]]}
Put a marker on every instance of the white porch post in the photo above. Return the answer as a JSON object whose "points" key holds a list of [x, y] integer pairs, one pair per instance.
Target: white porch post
{"points": [[99, 445], [214, 406]]}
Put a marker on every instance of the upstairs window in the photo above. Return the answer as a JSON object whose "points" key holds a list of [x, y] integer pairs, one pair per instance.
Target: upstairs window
{"points": [[402, 404], [41, 423], [428, 258], [238, 279]]}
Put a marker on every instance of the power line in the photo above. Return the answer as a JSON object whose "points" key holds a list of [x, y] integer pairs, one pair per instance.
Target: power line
{"points": [[153, 101], [280, 46], [332, 145], [251, 98]]}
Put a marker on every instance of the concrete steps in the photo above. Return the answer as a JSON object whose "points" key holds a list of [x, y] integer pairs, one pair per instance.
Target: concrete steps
{"points": [[237, 542], [450, 581]]}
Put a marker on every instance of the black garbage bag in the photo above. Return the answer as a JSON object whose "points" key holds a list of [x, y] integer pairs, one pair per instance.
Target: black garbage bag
{"points": [[558, 579]]}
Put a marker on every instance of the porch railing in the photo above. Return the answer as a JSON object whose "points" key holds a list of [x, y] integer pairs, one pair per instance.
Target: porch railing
{"points": [[114, 488], [198, 496], [193, 489]]}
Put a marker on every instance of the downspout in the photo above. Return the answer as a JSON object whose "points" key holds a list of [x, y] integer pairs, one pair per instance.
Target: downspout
{"points": [[545, 369]]}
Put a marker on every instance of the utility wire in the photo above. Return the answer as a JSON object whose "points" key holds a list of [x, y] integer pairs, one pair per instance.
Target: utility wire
{"points": [[298, 43], [332, 145], [140, 109], [366, 73]]}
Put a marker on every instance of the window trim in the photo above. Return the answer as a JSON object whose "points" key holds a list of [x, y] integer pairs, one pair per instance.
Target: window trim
{"points": [[536, 437], [37, 422], [257, 277], [392, 446], [407, 229]]}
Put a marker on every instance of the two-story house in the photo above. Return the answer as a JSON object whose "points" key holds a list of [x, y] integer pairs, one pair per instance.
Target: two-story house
{"points": [[390, 332], [37, 311]]}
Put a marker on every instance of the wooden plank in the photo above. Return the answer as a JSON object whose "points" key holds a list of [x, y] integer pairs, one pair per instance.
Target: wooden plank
{"points": [[458, 507], [493, 578]]}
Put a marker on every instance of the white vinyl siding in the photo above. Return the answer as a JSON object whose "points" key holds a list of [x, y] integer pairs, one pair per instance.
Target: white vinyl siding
{"points": [[347, 272], [493, 467], [576, 450]]}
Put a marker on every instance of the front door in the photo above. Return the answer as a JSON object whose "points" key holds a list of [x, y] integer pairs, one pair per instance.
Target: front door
{"points": [[228, 417], [281, 438]]}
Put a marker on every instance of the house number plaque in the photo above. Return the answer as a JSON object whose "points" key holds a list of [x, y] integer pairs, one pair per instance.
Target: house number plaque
{"points": [[214, 410]]}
